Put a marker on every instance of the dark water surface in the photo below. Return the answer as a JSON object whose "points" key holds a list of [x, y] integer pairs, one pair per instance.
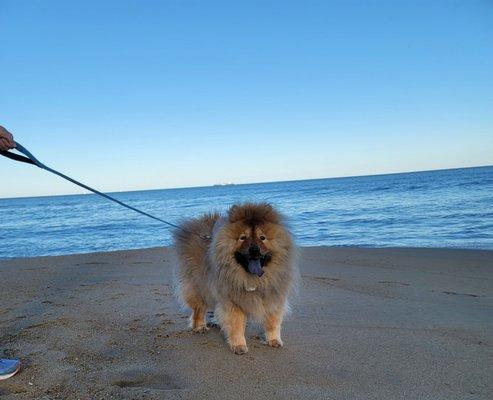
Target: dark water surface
{"points": [[447, 208]]}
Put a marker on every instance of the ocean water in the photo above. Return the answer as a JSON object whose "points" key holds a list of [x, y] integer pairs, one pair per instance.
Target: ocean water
{"points": [[447, 208]]}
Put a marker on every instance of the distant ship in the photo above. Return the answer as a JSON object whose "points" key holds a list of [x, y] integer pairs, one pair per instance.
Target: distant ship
{"points": [[224, 184]]}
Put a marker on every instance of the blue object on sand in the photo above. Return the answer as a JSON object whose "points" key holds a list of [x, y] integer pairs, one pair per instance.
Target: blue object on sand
{"points": [[8, 368]]}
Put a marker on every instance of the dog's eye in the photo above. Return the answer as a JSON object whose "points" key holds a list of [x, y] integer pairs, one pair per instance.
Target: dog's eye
{"points": [[242, 237], [262, 238]]}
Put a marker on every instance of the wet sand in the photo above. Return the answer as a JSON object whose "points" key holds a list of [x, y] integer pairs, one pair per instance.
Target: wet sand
{"points": [[367, 324]]}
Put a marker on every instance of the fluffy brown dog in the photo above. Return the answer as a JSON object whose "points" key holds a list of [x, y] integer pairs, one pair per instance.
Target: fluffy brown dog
{"points": [[246, 270]]}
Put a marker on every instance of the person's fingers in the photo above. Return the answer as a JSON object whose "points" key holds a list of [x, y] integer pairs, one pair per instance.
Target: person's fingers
{"points": [[5, 144], [10, 140], [7, 137]]}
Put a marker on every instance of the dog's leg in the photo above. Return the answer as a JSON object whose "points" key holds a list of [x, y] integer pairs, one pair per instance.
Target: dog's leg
{"points": [[272, 326], [197, 319], [234, 323]]}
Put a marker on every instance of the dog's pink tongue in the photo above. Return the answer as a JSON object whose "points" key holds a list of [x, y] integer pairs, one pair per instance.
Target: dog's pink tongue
{"points": [[254, 267]]}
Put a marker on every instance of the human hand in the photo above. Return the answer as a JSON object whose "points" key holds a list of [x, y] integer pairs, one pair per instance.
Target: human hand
{"points": [[6, 139]]}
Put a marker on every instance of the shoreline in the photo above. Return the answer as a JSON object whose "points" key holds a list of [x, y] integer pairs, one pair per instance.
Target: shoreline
{"points": [[368, 323], [324, 247]]}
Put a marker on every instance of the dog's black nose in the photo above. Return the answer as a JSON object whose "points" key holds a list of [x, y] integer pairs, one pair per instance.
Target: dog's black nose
{"points": [[254, 251]]}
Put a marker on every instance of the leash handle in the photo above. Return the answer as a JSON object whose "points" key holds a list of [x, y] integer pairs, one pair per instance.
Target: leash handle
{"points": [[30, 159]]}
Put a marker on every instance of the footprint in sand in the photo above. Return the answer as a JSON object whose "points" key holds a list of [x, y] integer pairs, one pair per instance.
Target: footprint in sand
{"points": [[394, 283], [144, 379], [324, 279], [95, 263], [461, 294]]}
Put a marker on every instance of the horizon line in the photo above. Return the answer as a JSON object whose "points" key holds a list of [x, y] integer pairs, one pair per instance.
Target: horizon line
{"points": [[250, 183]]}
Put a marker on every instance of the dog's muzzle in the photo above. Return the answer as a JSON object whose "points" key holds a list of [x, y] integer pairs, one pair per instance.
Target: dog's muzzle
{"points": [[253, 261]]}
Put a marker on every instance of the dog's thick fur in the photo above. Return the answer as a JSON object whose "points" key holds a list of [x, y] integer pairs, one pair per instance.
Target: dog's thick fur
{"points": [[211, 277]]}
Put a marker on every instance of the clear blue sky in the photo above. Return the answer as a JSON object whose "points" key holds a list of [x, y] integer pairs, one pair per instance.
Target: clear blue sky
{"points": [[128, 95]]}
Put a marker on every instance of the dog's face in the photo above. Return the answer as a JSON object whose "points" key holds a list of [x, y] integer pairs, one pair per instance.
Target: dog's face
{"points": [[252, 235], [252, 249]]}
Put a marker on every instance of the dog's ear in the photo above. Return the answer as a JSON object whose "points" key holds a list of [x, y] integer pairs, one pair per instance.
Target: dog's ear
{"points": [[232, 213]]}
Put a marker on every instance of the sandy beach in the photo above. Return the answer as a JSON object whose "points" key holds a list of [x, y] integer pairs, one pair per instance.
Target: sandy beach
{"points": [[367, 324]]}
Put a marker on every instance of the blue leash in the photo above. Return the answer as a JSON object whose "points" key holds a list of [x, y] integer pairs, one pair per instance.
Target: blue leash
{"points": [[30, 159]]}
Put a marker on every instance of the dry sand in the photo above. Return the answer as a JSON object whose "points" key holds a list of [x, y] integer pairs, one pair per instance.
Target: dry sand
{"points": [[368, 324]]}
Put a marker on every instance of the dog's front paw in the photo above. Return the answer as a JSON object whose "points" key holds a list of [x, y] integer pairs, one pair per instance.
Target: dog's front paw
{"points": [[239, 349], [276, 343], [200, 329]]}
